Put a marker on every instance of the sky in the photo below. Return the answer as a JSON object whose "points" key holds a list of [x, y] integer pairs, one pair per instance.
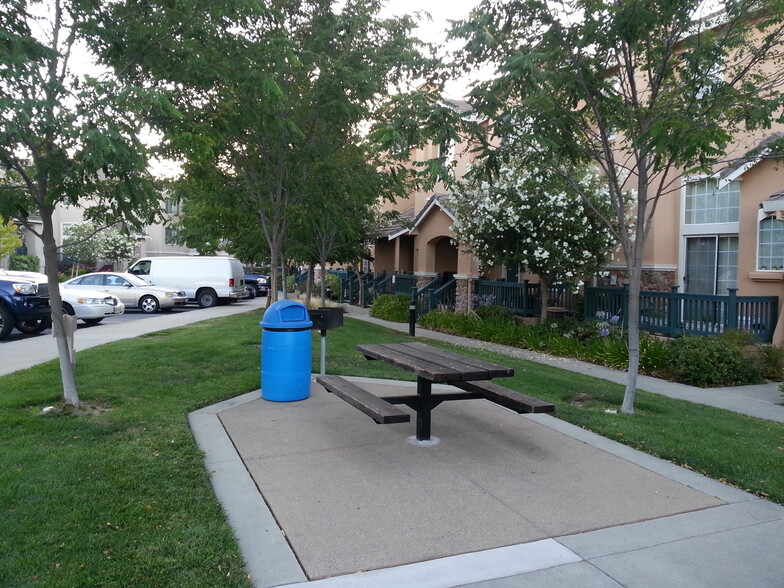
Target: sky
{"points": [[441, 12]]}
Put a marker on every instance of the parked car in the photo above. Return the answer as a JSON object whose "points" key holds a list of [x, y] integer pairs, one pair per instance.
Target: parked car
{"points": [[131, 290], [90, 306], [206, 280], [24, 304], [260, 281]]}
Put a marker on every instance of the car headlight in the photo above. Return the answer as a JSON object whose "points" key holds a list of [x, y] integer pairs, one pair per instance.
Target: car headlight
{"points": [[25, 288], [92, 301]]}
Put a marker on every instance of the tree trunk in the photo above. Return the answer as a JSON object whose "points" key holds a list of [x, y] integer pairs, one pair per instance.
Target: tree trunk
{"points": [[544, 290], [633, 332], [70, 393], [309, 287], [323, 284]]}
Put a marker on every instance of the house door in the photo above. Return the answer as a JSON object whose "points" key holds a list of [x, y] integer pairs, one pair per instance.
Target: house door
{"points": [[711, 264]]}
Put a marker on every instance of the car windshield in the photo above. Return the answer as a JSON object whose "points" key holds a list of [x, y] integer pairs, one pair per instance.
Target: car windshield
{"points": [[136, 281]]}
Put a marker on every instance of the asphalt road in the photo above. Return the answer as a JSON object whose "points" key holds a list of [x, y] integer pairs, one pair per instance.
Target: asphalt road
{"points": [[130, 315]]}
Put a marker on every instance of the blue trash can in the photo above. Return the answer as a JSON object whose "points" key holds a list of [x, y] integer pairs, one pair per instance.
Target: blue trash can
{"points": [[286, 350]]}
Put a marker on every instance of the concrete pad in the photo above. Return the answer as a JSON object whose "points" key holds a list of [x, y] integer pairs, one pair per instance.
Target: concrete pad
{"points": [[352, 495]]}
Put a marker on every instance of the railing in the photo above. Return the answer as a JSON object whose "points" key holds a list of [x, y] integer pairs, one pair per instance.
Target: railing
{"points": [[672, 313], [443, 297], [422, 296], [523, 299], [402, 283]]}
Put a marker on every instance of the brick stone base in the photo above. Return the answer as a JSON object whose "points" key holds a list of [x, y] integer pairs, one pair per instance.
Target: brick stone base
{"points": [[652, 280]]}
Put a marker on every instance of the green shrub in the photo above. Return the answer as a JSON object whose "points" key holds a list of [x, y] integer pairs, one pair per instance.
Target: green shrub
{"points": [[711, 362], [772, 362], [501, 312], [447, 321], [333, 285], [391, 307], [25, 263]]}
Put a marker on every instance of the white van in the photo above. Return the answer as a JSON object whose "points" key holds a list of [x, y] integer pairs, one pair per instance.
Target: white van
{"points": [[206, 280]]}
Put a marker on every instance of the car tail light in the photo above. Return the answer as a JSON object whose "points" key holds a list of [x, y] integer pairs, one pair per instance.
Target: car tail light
{"points": [[231, 282]]}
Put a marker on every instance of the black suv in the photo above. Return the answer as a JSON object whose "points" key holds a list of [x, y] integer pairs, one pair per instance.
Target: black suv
{"points": [[24, 304], [260, 281]]}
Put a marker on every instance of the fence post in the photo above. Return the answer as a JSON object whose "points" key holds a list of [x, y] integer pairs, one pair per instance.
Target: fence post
{"points": [[525, 298], [412, 312], [732, 309], [673, 311]]}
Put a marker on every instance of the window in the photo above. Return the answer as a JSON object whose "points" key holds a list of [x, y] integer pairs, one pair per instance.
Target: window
{"points": [[171, 236], [771, 244], [172, 206], [706, 204], [711, 264], [448, 152]]}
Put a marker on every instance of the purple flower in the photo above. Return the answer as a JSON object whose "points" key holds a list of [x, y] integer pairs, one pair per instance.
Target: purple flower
{"points": [[615, 319], [604, 332]]}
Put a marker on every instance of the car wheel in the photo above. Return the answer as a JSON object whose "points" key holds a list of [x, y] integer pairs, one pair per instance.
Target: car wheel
{"points": [[207, 298], [68, 309], [6, 322], [36, 325], [94, 321], [149, 304]]}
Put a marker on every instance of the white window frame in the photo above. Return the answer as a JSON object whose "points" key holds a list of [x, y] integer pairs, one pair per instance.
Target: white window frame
{"points": [[761, 216], [701, 230]]}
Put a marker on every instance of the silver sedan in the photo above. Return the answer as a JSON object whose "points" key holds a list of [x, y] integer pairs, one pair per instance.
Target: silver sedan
{"points": [[131, 290]]}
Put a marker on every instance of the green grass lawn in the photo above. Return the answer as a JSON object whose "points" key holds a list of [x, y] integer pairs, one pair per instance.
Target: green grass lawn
{"points": [[119, 496]]}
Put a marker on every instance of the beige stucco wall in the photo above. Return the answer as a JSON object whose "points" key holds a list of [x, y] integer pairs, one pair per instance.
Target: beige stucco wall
{"points": [[757, 184]]}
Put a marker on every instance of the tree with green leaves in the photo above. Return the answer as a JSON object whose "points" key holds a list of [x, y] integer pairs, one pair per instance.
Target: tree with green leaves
{"points": [[285, 91], [532, 218], [66, 137], [339, 216], [647, 91], [9, 238]]}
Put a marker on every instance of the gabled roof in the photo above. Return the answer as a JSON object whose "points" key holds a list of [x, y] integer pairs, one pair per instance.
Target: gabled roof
{"points": [[399, 226], [441, 201], [409, 222], [743, 164]]}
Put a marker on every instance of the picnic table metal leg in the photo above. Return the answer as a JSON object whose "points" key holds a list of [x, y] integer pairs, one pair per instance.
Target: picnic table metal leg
{"points": [[423, 412]]}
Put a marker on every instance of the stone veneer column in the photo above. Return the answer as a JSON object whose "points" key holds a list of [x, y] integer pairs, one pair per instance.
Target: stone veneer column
{"points": [[464, 293]]}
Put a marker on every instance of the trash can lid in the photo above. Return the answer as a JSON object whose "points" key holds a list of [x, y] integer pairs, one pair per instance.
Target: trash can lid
{"points": [[286, 314]]}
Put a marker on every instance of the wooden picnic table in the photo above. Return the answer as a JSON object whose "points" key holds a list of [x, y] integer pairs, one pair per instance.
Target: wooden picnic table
{"points": [[431, 365]]}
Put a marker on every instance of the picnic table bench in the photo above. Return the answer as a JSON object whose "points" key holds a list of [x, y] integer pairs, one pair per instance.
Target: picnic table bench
{"points": [[431, 365]]}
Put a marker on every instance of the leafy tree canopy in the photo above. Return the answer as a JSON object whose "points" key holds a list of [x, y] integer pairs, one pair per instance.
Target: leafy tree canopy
{"points": [[645, 90]]}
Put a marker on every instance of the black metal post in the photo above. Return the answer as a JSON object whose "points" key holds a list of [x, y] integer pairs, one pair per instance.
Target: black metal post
{"points": [[412, 313], [423, 412]]}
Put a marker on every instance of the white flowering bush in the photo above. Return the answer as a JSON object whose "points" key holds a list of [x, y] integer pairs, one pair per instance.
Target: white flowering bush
{"points": [[531, 218], [116, 245]]}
